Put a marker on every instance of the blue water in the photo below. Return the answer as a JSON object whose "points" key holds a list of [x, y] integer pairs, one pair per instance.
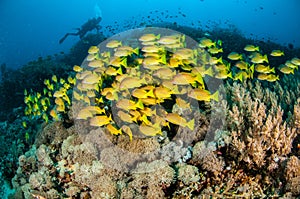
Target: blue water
{"points": [[32, 28]]}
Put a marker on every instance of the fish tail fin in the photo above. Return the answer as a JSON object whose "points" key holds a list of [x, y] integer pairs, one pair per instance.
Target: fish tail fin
{"points": [[158, 36], [119, 71], [220, 60], [140, 104], [251, 69], [209, 72], [230, 75], [163, 58], [293, 71], [63, 38], [266, 58], [239, 77], [128, 131], [182, 39], [110, 118], [136, 51], [272, 70], [215, 96], [124, 62], [150, 93], [191, 124]]}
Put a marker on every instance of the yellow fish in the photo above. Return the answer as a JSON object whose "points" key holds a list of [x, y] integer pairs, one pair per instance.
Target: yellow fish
{"points": [[262, 76], [84, 114], [184, 53], [183, 79], [215, 60], [156, 55], [91, 79], [83, 74], [152, 49], [96, 64], [71, 80], [135, 114], [257, 58], [251, 48], [291, 65], [67, 99], [272, 77], [126, 104], [162, 93], [151, 101], [24, 124], [150, 61], [59, 102], [142, 93], [174, 62], [94, 109], [77, 68], [128, 131], [178, 120], [107, 90], [242, 65], [164, 73], [149, 37], [215, 50], [175, 45], [150, 130], [264, 69], [113, 44], [131, 82], [54, 115], [199, 70], [241, 75], [126, 117], [111, 71], [149, 43], [93, 50], [91, 57], [129, 48], [122, 53], [118, 61], [286, 70], [203, 95], [100, 120], [171, 39], [223, 74], [296, 61], [277, 53], [206, 43], [182, 103], [235, 56], [54, 78], [113, 130], [148, 111]]}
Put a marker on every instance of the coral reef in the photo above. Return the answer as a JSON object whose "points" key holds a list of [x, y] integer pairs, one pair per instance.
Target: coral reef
{"points": [[240, 140], [248, 159]]}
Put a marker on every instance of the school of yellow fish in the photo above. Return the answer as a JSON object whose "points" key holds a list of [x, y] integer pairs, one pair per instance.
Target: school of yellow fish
{"points": [[55, 91], [160, 70]]}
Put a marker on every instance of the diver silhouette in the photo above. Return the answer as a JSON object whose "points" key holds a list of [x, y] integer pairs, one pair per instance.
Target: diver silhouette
{"points": [[90, 25]]}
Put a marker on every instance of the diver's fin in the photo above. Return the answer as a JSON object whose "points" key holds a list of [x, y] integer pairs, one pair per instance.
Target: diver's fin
{"points": [[66, 35], [63, 39]]}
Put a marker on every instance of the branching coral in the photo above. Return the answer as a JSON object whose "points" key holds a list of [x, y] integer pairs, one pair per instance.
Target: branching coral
{"points": [[257, 126]]}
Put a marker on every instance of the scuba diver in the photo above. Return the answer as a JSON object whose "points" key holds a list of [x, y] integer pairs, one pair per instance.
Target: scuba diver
{"points": [[90, 25]]}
